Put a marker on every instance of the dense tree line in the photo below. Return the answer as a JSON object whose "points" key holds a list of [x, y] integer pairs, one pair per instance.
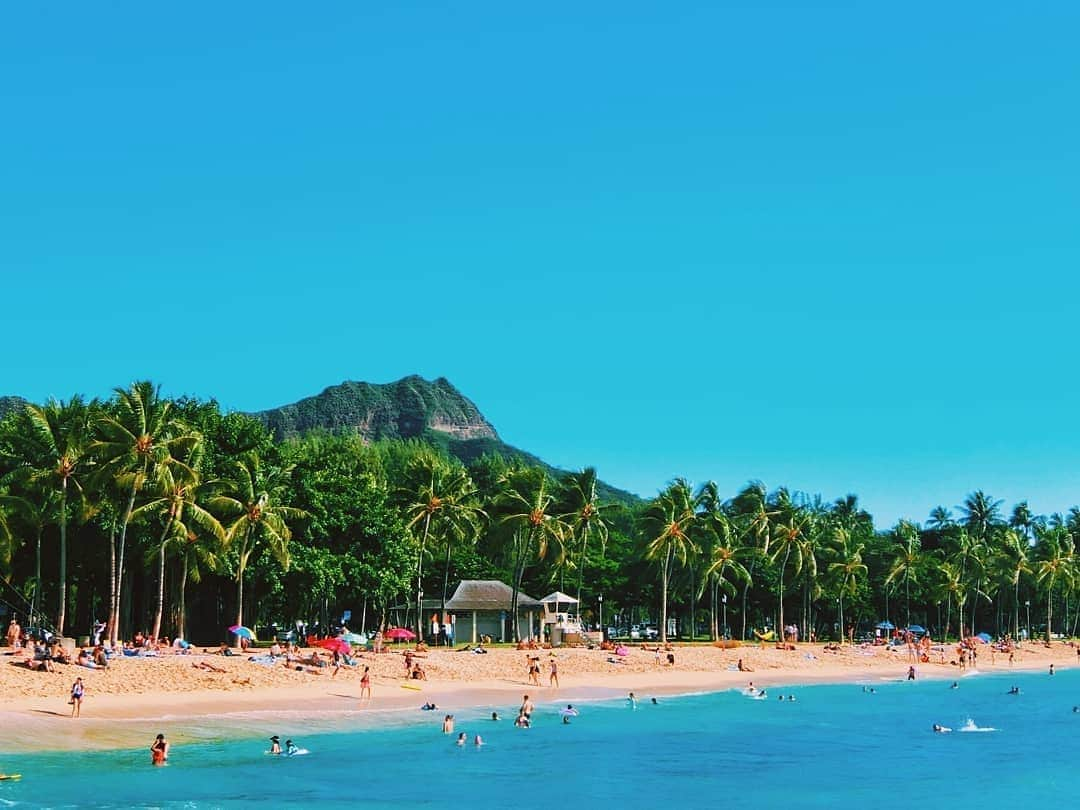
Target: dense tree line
{"points": [[172, 517]]}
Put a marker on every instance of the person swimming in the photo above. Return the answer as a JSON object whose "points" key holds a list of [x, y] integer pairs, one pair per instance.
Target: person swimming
{"points": [[791, 698], [1014, 691], [428, 707], [478, 741], [955, 685], [275, 745], [632, 700], [494, 715], [654, 702], [940, 729], [462, 738], [290, 749]]}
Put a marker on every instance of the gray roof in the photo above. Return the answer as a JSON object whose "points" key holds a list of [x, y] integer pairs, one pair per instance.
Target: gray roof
{"points": [[487, 594]]}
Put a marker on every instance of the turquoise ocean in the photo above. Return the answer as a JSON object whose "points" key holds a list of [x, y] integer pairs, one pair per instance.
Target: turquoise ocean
{"points": [[833, 746]]}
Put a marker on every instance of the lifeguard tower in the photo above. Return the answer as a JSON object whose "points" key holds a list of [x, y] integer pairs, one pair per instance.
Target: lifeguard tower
{"points": [[561, 620]]}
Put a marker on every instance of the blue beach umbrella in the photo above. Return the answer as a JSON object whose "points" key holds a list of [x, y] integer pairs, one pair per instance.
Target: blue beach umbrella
{"points": [[242, 632], [885, 625], [917, 628]]}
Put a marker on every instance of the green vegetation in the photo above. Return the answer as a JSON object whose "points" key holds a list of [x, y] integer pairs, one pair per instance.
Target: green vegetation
{"points": [[171, 517]]}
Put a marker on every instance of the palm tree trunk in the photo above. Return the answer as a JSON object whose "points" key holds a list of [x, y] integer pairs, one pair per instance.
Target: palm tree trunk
{"points": [[581, 566], [61, 611], [1049, 611], [745, 595], [780, 625], [161, 578], [842, 634], [420, 580], [114, 632], [663, 597], [181, 607], [1016, 609], [693, 604], [112, 580], [445, 585], [37, 578]]}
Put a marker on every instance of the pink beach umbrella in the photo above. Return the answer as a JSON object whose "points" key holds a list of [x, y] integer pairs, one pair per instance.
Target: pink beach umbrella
{"points": [[399, 634], [338, 645]]}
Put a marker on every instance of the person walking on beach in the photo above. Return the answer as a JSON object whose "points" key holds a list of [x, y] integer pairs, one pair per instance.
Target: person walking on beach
{"points": [[159, 751], [14, 633], [553, 680], [77, 691]]}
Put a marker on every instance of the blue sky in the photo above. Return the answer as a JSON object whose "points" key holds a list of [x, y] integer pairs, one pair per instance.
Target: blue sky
{"points": [[831, 246]]}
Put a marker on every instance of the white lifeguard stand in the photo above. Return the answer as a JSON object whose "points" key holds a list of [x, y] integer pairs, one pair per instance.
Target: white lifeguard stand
{"points": [[561, 619]]}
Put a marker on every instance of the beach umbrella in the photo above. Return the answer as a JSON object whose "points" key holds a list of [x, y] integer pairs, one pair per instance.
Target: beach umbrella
{"points": [[334, 645], [916, 628], [885, 625], [983, 638], [399, 634], [242, 632]]}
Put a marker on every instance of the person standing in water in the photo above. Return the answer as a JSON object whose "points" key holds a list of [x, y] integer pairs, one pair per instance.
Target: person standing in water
{"points": [[275, 745], [159, 751]]}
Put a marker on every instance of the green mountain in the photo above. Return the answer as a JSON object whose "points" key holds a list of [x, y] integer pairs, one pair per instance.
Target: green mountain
{"points": [[9, 404], [433, 411]]}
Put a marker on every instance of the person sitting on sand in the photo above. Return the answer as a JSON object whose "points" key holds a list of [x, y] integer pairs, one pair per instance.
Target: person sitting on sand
{"points": [[100, 658], [58, 653], [743, 667], [225, 649], [84, 659], [275, 650], [418, 673]]}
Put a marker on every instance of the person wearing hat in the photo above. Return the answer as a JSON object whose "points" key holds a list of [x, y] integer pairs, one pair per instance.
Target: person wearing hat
{"points": [[275, 745]]}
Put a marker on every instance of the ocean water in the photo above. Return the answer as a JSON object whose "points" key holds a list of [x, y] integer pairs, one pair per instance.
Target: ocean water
{"points": [[834, 746]]}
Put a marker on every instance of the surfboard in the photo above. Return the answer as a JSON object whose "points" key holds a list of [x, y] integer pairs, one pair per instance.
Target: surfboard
{"points": [[6, 776], [414, 686]]}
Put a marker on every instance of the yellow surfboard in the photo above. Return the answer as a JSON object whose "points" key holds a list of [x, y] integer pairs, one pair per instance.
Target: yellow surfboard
{"points": [[414, 686], [4, 776]]}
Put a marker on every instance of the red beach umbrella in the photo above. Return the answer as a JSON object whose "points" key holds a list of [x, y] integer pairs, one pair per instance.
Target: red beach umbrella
{"points": [[399, 634], [339, 645]]}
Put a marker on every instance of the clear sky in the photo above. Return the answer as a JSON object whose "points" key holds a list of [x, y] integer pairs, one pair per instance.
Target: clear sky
{"points": [[827, 245]]}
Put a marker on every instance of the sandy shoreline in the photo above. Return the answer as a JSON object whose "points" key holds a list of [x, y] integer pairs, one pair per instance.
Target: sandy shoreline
{"points": [[137, 698]]}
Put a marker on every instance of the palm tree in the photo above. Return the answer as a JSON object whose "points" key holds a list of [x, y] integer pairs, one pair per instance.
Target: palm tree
{"points": [[1011, 559], [725, 566], [753, 512], [940, 520], [788, 543], [528, 500], [981, 514], [135, 445], [177, 504], [909, 561], [258, 516], [951, 588], [442, 504], [670, 516], [194, 554], [32, 514], [1053, 567], [52, 449], [585, 518], [847, 567]]}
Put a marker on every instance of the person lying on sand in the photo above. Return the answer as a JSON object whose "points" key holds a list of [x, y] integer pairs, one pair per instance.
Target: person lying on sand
{"points": [[206, 665]]}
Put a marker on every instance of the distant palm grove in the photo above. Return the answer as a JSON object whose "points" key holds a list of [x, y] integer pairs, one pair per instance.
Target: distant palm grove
{"points": [[173, 518]]}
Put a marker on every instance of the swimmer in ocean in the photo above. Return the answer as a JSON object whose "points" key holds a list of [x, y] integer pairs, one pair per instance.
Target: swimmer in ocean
{"points": [[275, 745], [462, 738]]}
